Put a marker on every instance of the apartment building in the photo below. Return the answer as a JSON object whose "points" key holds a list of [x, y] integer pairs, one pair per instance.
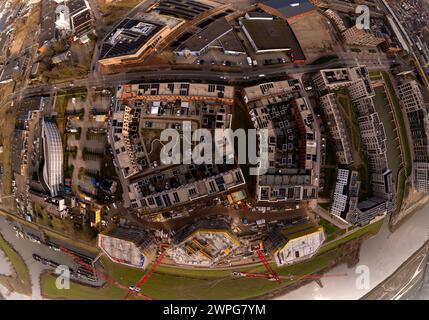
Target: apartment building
{"points": [[331, 79], [292, 141], [361, 37], [346, 193], [418, 120], [337, 129], [296, 244], [336, 19], [361, 92], [374, 139], [411, 96]]}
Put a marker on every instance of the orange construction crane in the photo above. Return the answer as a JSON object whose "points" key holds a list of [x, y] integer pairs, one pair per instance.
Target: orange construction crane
{"points": [[148, 274], [91, 268], [273, 276], [272, 273]]}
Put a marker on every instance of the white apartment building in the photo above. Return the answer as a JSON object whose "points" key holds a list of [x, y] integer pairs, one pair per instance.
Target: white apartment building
{"points": [[418, 120], [346, 193]]}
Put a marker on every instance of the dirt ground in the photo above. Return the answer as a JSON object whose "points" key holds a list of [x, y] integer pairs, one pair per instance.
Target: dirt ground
{"points": [[314, 44], [25, 29], [114, 9], [81, 61], [7, 125]]}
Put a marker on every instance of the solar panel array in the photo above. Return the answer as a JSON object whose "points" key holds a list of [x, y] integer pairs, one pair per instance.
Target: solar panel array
{"points": [[185, 9]]}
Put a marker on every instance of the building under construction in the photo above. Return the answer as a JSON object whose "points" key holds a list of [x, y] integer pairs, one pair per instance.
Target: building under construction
{"points": [[130, 247], [203, 244], [295, 244]]}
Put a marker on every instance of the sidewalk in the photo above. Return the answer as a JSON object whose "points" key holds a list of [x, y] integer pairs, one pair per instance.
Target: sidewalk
{"points": [[331, 218]]}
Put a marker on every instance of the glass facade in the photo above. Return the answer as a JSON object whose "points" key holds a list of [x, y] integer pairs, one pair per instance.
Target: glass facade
{"points": [[53, 166]]}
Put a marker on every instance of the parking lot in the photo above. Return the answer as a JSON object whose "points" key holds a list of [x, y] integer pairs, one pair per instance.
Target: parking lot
{"points": [[88, 140]]}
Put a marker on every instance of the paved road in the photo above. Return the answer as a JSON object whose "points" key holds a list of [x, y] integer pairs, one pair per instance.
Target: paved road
{"points": [[26, 249], [198, 75]]}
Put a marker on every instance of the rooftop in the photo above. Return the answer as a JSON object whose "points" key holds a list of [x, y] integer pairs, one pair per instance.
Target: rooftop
{"points": [[76, 6], [11, 69], [184, 9], [128, 37], [301, 230], [207, 36], [290, 8], [231, 43], [272, 35]]}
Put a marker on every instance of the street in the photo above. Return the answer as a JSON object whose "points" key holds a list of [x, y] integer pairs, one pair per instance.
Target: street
{"points": [[26, 249]]}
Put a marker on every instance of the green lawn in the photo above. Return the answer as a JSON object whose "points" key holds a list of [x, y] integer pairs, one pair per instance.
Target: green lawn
{"points": [[349, 117], [114, 10], [352, 126], [402, 176], [332, 231], [21, 282], [375, 75], [324, 205], [369, 229], [176, 283], [173, 283], [385, 112]]}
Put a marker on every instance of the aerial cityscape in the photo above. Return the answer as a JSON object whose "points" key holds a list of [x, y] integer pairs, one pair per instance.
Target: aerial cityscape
{"points": [[214, 149]]}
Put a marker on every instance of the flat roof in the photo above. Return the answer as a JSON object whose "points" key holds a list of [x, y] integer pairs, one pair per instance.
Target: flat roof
{"points": [[47, 23], [76, 6], [135, 236], [259, 14], [207, 36], [82, 22], [10, 69], [130, 37], [270, 35], [185, 9], [290, 8], [230, 42], [302, 230]]}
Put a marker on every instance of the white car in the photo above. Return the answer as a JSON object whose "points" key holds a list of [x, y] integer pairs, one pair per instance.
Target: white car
{"points": [[134, 289]]}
